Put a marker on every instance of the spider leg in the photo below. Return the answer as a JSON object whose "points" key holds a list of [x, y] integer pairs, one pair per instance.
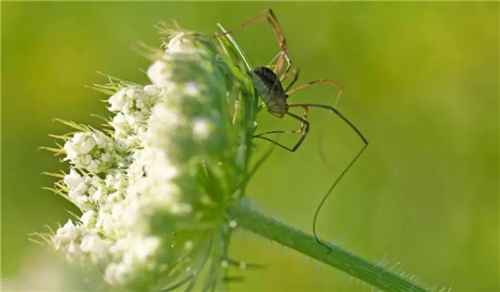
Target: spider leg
{"points": [[271, 18], [304, 129], [337, 99], [337, 180], [295, 78], [316, 81], [270, 65]]}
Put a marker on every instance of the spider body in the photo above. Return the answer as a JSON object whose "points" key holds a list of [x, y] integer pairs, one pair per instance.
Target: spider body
{"points": [[269, 88]]}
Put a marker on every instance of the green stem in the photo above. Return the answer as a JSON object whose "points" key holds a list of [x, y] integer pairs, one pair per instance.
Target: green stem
{"points": [[251, 220]]}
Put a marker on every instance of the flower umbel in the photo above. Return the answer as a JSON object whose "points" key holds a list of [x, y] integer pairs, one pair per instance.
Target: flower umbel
{"points": [[154, 188]]}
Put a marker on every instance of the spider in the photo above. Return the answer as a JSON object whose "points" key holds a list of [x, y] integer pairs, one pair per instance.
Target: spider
{"points": [[268, 85]]}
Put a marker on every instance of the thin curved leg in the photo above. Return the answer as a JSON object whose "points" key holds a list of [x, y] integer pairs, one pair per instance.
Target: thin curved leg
{"points": [[316, 81], [271, 18], [337, 180], [304, 129]]}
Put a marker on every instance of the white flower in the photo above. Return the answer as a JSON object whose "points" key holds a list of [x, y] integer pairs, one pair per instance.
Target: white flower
{"points": [[73, 179], [192, 88], [65, 234], [151, 90], [96, 247], [117, 101], [185, 43], [132, 105], [158, 73], [144, 248], [80, 144], [78, 190], [202, 129], [89, 218], [82, 152]]}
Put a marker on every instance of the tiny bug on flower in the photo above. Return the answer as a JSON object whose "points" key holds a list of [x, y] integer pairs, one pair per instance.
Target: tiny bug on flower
{"points": [[268, 85]]}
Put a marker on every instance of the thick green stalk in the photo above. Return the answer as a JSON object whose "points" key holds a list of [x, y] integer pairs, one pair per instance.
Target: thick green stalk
{"points": [[251, 220]]}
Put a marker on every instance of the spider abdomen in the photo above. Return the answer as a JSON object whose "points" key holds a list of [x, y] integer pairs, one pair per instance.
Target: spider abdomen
{"points": [[269, 88]]}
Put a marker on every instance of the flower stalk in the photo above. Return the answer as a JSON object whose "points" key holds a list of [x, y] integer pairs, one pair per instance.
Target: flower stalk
{"points": [[251, 220]]}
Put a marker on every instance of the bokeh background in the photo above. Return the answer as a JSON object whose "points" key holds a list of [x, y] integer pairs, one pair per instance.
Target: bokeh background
{"points": [[421, 81]]}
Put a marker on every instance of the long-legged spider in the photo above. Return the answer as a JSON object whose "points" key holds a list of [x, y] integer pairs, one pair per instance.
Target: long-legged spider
{"points": [[268, 85]]}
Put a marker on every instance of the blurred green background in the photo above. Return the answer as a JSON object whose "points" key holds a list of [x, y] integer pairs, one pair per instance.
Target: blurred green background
{"points": [[421, 81]]}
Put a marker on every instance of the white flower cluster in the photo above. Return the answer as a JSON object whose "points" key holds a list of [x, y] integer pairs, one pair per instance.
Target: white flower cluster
{"points": [[91, 151], [152, 191], [79, 243], [132, 106]]}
